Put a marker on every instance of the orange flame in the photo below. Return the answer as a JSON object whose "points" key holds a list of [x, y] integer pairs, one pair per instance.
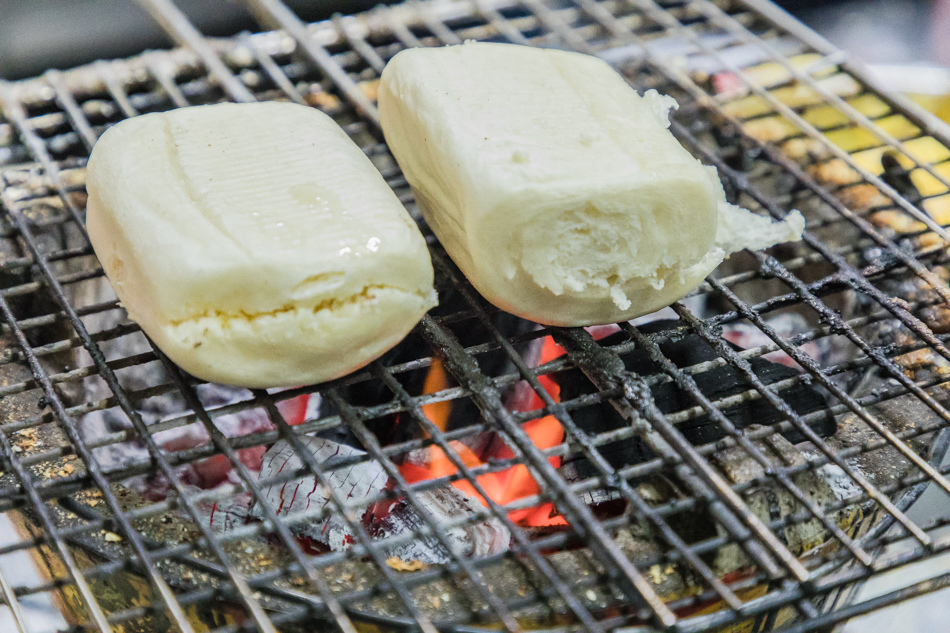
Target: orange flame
{"points": [[505, 486]]}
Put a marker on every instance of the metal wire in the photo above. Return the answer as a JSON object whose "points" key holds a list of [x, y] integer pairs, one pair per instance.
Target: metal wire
{"points": [[53, 121]]}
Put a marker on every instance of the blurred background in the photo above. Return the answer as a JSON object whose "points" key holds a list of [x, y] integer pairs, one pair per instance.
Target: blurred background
{"points": [[907, 42], [36, 35]]}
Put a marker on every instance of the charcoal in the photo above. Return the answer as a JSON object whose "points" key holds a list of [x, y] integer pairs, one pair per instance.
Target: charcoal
{"points": [[359, 483], [770, 502], [204, 473], [225, 514], [355, 483], [717, 383], [442, 506]]}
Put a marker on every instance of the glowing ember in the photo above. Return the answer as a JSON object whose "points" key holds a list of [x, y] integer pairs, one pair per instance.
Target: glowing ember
{"points": [[503, 487]]}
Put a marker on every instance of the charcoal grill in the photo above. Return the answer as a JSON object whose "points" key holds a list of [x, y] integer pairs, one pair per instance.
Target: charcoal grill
{"points": [[770, 526]]}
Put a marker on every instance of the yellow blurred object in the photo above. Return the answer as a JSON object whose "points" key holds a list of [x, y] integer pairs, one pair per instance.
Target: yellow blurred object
{"points": [[938, 105], [928, 87], [931, 90]]}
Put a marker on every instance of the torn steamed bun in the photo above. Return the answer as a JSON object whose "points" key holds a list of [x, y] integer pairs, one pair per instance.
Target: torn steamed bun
{"points": [[557, 189]]}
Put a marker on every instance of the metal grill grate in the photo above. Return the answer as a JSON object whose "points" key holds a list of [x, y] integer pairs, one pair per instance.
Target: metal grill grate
{"points": [[761, 527]]}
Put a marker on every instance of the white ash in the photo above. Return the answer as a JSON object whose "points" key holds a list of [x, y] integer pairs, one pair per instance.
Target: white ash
{"points": [[843, 486], [840, 483], [312, 411]]}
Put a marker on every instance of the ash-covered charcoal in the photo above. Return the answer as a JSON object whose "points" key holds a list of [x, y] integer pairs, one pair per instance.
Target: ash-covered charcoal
{"points": [[889, 275], [46, 217], [443, 506], [204, 473], [355, 483], [211, 471], [226, 514], [715, 384], [361, 481], [97, 424], [920, 298], [922, 365]]}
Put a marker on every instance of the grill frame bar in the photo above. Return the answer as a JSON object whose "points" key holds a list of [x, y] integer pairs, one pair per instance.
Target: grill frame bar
{"points": [[441, 338]]}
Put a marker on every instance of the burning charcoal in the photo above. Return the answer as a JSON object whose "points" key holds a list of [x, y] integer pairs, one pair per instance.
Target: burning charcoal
{"points": [[228, 513], [204, 473], [442, 506], [354, 483], [728, 85], [393, 429], [715, 384], [362, 481], [541, 351]]}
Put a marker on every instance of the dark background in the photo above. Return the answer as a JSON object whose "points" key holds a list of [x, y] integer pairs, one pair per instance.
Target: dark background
{"points": [[40, 34]]}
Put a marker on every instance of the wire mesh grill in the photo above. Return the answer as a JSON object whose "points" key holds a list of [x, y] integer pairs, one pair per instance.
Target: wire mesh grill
{"points": [[692, 511]]}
